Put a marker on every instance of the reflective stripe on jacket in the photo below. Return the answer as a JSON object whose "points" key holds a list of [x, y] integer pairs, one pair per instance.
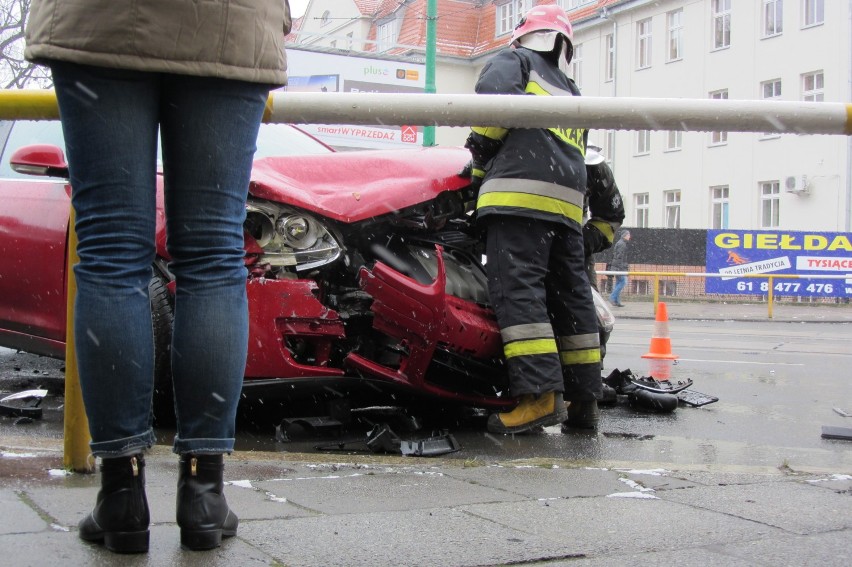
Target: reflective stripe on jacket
{"points": [[534, 172]]}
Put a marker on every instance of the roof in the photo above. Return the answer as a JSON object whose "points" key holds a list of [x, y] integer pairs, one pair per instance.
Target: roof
{"points": [[465, 28]]}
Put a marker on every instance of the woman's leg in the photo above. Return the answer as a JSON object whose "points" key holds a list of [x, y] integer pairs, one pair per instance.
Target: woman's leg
{"points": [[209, 131], [109, 118]]}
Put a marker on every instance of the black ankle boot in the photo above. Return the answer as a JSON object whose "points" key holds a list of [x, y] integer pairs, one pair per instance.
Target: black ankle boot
{"points": [[202, 513], [120, 518]]}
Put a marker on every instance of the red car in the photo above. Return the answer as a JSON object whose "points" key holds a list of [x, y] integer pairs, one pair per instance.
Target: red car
{"points": [[364, 273]]}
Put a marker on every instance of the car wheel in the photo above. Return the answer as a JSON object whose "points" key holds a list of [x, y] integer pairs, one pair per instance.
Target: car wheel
{"points": [[162, 311]]}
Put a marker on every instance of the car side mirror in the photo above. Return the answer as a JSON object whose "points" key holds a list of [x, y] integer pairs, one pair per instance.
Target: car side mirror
{"points": [[44, 160]]}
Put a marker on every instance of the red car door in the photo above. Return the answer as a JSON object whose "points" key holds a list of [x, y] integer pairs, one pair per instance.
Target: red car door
{"points": [[33, 248]]}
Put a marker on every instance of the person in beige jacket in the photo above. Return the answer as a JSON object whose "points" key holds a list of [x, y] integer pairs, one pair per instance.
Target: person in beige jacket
{"points": [[195, 75]]}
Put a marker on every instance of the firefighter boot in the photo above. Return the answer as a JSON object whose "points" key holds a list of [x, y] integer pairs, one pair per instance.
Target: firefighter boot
{"points": [[202, 512], [120, 518], [582, 415], [532, 411]]}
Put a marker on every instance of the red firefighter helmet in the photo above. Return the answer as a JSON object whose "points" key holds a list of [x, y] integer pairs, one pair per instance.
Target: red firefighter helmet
{"points": [[545, 18]]}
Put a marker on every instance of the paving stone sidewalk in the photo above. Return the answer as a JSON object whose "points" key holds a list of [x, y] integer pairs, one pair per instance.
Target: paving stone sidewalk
{"points": [[320, 510]]}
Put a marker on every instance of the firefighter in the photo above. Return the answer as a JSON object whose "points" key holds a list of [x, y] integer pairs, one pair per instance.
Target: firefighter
{"points": [[532, 183], [604, 207]]}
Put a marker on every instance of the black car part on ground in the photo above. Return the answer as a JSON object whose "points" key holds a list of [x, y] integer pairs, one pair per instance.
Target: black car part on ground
{"points": [[382, 439], [23, 404], [647, 393]]}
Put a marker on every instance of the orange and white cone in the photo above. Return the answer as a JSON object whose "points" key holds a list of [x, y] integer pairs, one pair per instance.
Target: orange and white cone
{"points": [[661, 344]]}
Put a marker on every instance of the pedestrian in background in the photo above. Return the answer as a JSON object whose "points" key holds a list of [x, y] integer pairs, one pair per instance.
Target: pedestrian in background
{"points": [[196, 76], [533, 183], [620, 264]]}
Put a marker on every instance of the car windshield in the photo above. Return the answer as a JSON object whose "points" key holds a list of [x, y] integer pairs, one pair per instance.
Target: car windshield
{"points": [[273, 140]]}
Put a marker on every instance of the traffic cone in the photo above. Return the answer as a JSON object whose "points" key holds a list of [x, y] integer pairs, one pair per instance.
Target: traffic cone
{"points": [[661, 344]]}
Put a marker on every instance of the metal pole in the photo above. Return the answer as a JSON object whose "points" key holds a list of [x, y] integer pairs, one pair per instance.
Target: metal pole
{"points": [[76, 425], [622, 113], [431, 49], [770, 297]]}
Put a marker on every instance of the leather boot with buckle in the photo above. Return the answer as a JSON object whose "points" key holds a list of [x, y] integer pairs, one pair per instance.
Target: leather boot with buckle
{"points": [[582, 415], [202, 512], [532, 411], [120, 518]]}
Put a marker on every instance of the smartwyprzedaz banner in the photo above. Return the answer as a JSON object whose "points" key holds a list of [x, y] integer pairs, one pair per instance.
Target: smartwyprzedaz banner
{"points": [[738, 254]]}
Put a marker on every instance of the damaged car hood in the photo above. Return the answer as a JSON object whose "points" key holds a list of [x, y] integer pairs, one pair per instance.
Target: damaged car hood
{"points": [[352, 186]]}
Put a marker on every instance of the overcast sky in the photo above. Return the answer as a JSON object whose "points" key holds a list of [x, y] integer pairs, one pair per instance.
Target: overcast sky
{"points": [[297, 8]]}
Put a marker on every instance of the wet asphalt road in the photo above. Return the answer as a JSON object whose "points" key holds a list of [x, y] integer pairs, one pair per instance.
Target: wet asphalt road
{"points": [[778, 384]]}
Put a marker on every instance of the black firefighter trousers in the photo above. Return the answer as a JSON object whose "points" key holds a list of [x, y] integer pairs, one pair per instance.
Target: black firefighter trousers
{"points": [[541, 296]]}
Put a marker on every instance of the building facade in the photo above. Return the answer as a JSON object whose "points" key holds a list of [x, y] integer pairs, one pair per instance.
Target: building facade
{"points": [[748, 49]]}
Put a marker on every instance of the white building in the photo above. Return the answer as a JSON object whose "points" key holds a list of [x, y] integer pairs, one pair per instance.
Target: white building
{"points": [[748, 49]]}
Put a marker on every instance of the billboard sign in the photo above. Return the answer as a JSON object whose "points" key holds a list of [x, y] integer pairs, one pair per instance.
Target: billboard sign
{"points": [[739, 253], [310, 71]]}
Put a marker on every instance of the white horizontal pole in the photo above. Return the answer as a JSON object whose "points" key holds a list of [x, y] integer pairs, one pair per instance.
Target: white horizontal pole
{"points": [[617, 113]]}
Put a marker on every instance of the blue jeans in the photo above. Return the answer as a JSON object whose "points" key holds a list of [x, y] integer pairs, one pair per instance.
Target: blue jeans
{"points": [[615, 296], [208, 129]]}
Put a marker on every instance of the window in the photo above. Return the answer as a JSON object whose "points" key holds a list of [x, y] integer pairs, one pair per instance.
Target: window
{"points": [[672, 212], [721, 23], [510, 13], [610, 146], [350, 37], [675, 19], [609, 72], [813, 85], [640, 206], [772, 17], [813, 12], [769, 204], [718, 138], [643, 44], [386, 36], [643, 142], [674, 140], [577, 65], [770, 90], [719, 206]]}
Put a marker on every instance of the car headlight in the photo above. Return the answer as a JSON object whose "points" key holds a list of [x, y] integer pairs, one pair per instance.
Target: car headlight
{"points": [[298, 231], [289, 238]]}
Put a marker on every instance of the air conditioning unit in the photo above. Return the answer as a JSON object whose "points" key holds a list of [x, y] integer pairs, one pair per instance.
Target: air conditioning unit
{"points": [[797, 184]]}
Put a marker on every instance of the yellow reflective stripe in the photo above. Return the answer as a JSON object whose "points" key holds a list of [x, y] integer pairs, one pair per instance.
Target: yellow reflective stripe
{"points": [[533, 202], [528, 348], [536, 89], [571, 136], [533, 187], [492, 132], [606, 229], [586, 356]]}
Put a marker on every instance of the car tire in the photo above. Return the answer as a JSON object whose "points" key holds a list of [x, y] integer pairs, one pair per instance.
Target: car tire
{"points": [[162, 312]]}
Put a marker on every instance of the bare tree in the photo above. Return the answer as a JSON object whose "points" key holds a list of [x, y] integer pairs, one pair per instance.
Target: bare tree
{"points": [[15, 71]]}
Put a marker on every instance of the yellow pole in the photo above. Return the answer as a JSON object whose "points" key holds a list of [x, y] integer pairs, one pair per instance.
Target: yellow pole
{"points": [[770, 296], [76, 424], [656, 292], [28, 105]]}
